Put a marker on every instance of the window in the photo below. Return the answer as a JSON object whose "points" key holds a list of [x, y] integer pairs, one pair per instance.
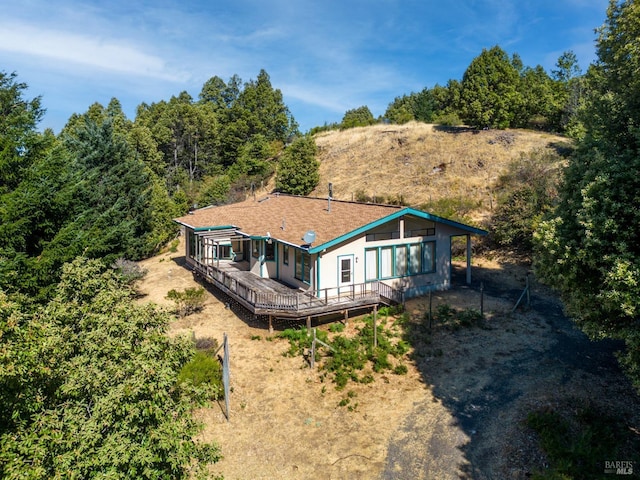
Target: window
{"points": [[371, 264], [428, 257], [303, 266], [345, 270], [386, 262], [192, 244], [414, 259], [285, 254], [374, 237], [269, 251], [399, 260], [255, 248]]}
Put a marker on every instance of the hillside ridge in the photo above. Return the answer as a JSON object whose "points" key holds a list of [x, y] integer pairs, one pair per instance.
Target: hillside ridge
{"points": [[421, 164]]}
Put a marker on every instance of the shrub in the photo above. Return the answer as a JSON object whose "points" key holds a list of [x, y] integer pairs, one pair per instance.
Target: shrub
{"points": [[445, 312], [189, 301], [203, 370], [129, 270], [469, 317]]}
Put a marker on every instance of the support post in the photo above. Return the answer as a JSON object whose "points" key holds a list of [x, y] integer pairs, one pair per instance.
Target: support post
{"points": [[346, 318], [430, 308], [375, 326], [312, 360], [270, 324], [468, 259], [309, 325]]}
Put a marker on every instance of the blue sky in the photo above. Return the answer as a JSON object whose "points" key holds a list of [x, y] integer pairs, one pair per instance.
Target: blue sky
{"points": [[325, 56]]}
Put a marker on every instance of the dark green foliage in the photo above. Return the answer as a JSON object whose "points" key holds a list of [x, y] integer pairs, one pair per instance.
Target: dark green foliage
{"points": [[589, 248], [214, 190], [19, 142], [415, 106], [526, 192], [453, 318], [489, 94], [203, 370], [189, 301], [357, 117], [298, 169], [87, 386], [300, 340], [577, 446], [350, 356]]}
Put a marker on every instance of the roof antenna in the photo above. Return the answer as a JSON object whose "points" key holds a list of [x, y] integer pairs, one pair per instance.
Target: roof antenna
{"points": [[330, 195], [283, 225]]}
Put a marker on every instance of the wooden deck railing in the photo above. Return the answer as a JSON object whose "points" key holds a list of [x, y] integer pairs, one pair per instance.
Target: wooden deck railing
{"points": [[298, 302]]}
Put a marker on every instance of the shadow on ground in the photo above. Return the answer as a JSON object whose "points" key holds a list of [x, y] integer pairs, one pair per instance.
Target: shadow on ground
{"points": [[488, 378]]}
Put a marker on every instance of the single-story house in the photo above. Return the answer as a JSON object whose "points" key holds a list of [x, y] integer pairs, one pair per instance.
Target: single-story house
{"points": [[277, 252]]}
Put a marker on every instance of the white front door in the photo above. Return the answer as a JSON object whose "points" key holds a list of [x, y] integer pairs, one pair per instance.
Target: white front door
{"points": [[345, 270]]}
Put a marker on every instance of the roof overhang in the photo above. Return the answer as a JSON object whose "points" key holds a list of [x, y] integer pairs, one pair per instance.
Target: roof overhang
{"points": [[400, 213]]}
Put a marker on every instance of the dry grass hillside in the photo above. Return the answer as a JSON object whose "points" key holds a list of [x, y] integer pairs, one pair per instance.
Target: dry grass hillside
{"points": [[419, 163]]}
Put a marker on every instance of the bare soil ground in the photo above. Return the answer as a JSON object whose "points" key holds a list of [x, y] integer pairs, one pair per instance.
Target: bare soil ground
{"points": [[457, 413]]}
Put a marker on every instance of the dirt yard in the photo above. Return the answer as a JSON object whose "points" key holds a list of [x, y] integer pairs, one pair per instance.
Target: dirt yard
{"points": [[457, 413]]}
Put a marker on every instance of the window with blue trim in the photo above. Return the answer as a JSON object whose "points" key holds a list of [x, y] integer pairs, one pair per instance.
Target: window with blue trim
{"points": [[270, 251], [303, 266], [399, 260]]}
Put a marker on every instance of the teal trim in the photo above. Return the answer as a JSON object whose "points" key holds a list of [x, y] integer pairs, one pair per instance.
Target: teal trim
{"points": [[408, 272], [206, 229], [317, 275], [393, 216]]}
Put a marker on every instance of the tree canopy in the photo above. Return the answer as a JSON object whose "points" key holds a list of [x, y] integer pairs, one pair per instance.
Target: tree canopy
{"points": [[88, 386], [298, 172], [589, 248]]}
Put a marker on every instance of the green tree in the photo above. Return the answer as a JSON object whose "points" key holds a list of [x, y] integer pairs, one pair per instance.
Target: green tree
{"points": [[18, 137], [526, 192], [119, 207], [541, 108], [446, 102], [489, 95], [357, 117], [415, 106], [298, 169], [89, 386], [590, 249], [570, 86], [214, 190]]}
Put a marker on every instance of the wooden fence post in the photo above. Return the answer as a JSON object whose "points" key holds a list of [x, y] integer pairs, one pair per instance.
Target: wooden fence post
{"points": [[375, 326], [430, 307]]}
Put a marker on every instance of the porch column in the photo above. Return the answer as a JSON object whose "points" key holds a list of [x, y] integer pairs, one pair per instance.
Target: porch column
{"points": [[468, 259]]}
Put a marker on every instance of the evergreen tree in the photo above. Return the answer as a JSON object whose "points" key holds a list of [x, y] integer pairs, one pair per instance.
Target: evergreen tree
{"points": [[590, 249], [19, 140], [357, 117], [88, 386], [489, 94], [298, 169]]}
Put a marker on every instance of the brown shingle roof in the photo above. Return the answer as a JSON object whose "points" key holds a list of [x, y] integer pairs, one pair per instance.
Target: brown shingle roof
{"points": [[296, 214]]}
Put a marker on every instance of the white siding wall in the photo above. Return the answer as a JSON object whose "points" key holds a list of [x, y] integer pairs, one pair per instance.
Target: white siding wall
{"points": [[414, 285]]}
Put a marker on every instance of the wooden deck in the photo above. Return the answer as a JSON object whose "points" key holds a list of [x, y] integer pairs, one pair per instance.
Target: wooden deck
{"points": [[265, 296]]}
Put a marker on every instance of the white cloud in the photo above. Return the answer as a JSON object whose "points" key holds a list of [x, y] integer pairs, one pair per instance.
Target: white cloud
{"points": [[84, 50]]}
